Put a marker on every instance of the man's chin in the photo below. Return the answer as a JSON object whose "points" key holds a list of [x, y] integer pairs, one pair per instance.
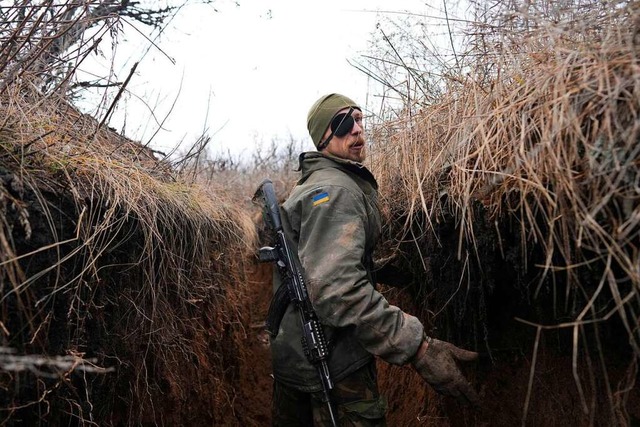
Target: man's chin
{"points": [[351, 155], [360, 157]]}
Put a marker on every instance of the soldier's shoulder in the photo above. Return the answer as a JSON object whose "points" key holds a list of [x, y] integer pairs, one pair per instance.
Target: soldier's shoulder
{"points": [[331, 177]]}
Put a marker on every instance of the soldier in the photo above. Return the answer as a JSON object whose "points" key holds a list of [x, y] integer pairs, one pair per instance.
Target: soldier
{"points": [[333, 222]]}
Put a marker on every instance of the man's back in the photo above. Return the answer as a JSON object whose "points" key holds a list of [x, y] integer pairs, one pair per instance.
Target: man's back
{"points": [[316, 207]]}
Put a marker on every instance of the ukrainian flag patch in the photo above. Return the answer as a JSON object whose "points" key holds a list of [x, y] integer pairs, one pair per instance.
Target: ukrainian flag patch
{"points": [[320, 198]]}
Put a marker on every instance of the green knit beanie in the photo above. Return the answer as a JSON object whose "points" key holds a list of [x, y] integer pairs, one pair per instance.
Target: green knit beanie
{"points": [[322, 111]]}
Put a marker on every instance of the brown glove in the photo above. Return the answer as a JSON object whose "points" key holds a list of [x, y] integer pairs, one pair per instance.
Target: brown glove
{"points": [[435, 361]]}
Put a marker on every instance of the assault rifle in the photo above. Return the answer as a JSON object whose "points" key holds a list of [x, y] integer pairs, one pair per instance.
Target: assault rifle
{"points": [[293, 289]]}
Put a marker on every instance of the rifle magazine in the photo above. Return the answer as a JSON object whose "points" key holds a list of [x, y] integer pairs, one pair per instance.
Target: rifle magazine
{"points": [[277, 308]]}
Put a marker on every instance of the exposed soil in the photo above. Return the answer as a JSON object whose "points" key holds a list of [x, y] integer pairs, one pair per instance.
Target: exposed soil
{"points": [[172, 349], [254, 386], [483, 315], [502, 379], [486, 311], [224, 377]]}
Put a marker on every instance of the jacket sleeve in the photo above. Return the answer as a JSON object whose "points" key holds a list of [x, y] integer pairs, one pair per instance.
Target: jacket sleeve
{"points": [[331, 248]]}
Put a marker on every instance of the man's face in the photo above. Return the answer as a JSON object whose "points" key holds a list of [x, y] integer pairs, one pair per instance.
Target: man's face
{"points": [[351, 146]]}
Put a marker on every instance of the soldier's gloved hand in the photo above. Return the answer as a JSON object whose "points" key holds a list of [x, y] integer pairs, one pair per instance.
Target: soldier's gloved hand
{"points": [[435, 361]]}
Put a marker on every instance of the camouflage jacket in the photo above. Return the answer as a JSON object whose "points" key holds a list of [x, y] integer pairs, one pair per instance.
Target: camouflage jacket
{"points": [[333, 222]]}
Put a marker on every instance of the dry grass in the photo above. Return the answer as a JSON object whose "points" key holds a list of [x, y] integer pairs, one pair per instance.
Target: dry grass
{"points": [[540, 128], [239, 176], [108, 254], [555, 138], [115, 213]]}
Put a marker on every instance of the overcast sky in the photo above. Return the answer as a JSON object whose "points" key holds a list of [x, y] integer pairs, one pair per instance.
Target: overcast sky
{"points": [[247, 72]]}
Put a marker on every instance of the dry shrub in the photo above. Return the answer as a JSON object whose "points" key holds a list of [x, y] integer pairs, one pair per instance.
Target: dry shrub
{"points": [[239, 176], [122, 285], [109, 255], [124, 279], [515, 195]]}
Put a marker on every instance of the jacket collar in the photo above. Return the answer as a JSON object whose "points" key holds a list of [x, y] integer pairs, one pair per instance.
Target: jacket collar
{"points": [[312, 161]]}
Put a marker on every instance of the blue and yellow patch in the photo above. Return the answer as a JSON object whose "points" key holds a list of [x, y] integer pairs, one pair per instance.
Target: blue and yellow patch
{"points": [[320, 198]]}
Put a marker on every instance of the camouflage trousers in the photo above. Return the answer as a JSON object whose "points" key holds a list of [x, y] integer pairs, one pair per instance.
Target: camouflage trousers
{"points": [[355, 399]]}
